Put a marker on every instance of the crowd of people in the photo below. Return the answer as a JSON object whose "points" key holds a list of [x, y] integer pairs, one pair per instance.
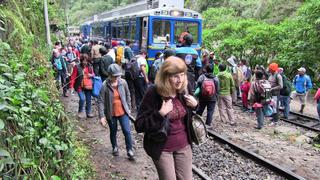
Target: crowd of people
{"points": [[166, 93]]}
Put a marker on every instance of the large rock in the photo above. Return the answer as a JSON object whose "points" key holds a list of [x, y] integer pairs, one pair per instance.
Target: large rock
{"points": [[303, 139], [286, 130], [311, 134]]}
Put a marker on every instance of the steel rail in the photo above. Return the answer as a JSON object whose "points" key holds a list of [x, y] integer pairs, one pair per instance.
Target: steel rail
{"points": [[292, 121], [200, 173], [257, 158]]}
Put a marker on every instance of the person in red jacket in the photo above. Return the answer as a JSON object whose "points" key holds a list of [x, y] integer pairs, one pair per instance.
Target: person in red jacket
{"points": [[81, 81], [245, 86]]}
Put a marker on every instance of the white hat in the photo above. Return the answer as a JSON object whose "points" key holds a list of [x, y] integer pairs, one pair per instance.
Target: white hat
{"points": [[302, 69]]}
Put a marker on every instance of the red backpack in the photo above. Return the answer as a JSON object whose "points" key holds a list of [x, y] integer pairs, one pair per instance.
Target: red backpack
{"points": [[208, 89]]}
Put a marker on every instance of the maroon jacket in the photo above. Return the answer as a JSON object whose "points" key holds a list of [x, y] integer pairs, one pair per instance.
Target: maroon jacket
{"points": [[149, 120]]}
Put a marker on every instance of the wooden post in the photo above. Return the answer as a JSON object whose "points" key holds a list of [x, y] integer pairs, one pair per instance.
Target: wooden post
{"points": [[46, 18]]}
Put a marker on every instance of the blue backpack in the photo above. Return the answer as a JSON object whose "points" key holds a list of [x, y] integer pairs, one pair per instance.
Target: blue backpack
{"points": [[97, 84]]}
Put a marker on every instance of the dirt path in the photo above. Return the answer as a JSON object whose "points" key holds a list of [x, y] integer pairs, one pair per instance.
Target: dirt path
{"points": [[97, 139]]}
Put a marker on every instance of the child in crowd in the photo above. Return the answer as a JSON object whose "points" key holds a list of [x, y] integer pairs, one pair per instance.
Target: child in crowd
{"points": [[244, 87]]}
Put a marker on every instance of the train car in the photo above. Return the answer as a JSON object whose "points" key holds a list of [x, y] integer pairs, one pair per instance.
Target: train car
{"points": [[73, 31], [152, 29]]}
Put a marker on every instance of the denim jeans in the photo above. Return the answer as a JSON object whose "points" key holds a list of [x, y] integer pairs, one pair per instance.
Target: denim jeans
{"points": [[140, 88], [126, 130], [60, 77], [285, 101], [275, 116], [85, 97], [260, 117], [210, 110]]}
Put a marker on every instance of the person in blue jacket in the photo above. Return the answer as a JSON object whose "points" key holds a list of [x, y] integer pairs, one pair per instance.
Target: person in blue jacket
{"points": [[302, 83], [191, 58]]}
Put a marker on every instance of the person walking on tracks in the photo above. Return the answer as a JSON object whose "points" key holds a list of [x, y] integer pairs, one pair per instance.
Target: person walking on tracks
{"points": [[258, 96], [115, 105], [226, 89], [209, 85], [165, 118], [276, 82], [302, 83]]}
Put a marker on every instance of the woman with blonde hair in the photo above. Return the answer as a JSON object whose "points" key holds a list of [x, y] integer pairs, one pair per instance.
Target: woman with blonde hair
{"points": [[165, 119]]}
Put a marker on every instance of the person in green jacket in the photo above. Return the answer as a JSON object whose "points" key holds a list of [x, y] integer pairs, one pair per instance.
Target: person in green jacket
{"points": [[215, 63], [225, 99]]}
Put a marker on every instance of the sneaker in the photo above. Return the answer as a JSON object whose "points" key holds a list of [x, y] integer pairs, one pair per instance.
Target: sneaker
{"points": [[115, 151], [258, 128], [273, 124], [130, 155]]}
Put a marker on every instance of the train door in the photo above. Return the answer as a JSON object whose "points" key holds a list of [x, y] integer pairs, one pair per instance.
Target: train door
{"points": [[144, 33]]}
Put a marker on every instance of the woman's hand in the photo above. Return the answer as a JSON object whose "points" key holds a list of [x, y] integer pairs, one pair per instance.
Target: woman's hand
{"points": [[166, 107], [191, 101], [103, 122]]}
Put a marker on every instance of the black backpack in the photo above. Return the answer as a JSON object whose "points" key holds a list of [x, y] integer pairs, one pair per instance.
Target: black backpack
{"points": [[132, 69]]}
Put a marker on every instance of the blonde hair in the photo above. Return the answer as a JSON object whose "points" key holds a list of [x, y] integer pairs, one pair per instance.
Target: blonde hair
{"points": [[171, 66]]}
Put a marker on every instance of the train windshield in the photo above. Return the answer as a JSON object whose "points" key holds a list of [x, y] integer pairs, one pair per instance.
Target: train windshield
{"points": [[183, 26], [161, 31]]}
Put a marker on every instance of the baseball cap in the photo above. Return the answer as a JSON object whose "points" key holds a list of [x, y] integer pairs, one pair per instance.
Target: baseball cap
{"points": [[274, 67], [302, 69]]}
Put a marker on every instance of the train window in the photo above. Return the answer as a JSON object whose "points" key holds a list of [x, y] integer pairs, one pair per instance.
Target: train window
{"points": [[160, 31], [182, 26], [114, 32], [97, 31], [133, 30]]}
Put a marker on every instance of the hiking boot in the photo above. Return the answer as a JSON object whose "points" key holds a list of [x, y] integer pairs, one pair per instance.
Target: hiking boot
{"points": [[130, 155], [81, 115], [90, 115], [115, 151]]}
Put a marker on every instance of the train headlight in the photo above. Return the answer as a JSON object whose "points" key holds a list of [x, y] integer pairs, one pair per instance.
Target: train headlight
{"points": [[157, 13], [195, 16], [177, 13]]}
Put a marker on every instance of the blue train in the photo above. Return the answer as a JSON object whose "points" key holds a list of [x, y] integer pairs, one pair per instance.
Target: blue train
{"points": [[148, 27]]}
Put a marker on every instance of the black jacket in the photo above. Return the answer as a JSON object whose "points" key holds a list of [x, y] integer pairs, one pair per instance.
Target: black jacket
{"points": [[149, 120]]}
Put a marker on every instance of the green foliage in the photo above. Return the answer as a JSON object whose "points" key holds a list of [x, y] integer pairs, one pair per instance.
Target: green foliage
{"points": [[214, 16], [36, 140], [293, 43], [76, 8]]}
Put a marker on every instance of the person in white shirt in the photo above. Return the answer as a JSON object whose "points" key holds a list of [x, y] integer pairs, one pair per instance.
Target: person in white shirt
{"points": [[140, 84]]}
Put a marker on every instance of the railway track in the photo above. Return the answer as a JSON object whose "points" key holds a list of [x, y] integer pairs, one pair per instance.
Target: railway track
{"points": [[298, 119], [304, 121], [280, 171]]}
